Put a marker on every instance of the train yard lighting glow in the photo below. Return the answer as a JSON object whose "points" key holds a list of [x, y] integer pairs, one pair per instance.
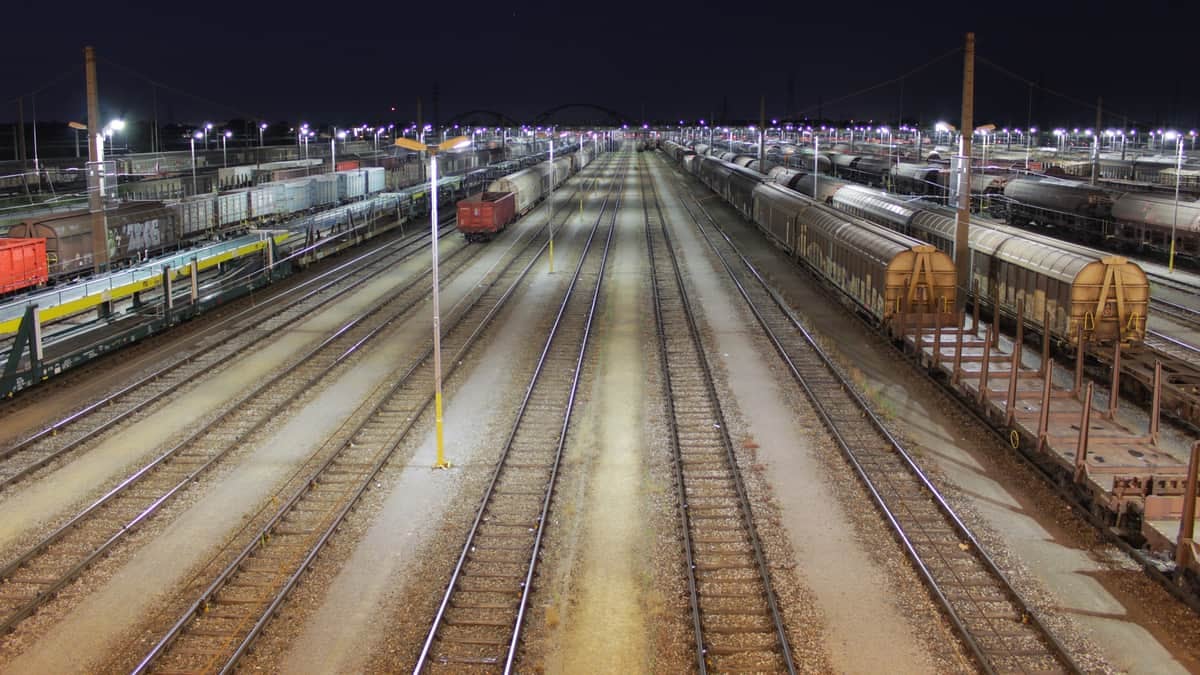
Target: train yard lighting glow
{"points": [[224, 150], [433, 150], [261, 128]]}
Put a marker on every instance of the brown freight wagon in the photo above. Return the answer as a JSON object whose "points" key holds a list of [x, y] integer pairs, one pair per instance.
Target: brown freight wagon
{"points": [[481, 217], [135, 231]]}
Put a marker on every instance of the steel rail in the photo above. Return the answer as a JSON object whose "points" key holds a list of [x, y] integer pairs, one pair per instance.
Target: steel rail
{"points": [[1054, 648], [703, 645], [406, 248], [425, 657], [312, 482], [9, 574]]}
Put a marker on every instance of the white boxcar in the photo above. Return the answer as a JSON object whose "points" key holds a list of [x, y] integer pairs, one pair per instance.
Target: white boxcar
{"points": [[324, 190], [376, 179], [526, 185], [233, 207], [266, 200], [562, 169], [351, 184], [197, 215]]}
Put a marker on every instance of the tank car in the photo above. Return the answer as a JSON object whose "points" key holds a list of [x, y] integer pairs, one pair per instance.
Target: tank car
{"points": [[1049, 202], [1144, 222]]}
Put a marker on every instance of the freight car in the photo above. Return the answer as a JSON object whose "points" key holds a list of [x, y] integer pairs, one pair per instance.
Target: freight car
{"points": [[1144, 222], [133, 232], [532, 184], [735, 184], [22, 264], [1108, 297], [1055, 203], [480, 218], [881, 273]]}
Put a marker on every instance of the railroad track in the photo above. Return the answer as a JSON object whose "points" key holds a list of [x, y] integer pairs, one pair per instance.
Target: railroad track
{"points": [[996, 625], [736, 620], [480, 618], [36, 575], [218, 627], [1184, 316], [23, 458], [1162, 343]]}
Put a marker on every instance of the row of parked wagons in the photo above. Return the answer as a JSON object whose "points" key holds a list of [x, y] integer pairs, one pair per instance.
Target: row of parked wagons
{"points": [[137, 230]]}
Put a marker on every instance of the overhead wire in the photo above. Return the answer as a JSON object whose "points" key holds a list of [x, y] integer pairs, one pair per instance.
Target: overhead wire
{"points": [[181, 92], [880, 85]]}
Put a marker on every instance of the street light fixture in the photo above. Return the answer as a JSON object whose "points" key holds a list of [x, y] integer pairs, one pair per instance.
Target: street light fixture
{"points": [[113, 127], [78, 127], [261, 128], [225, 155], [433, 150], [207, 128], [333, 150]]}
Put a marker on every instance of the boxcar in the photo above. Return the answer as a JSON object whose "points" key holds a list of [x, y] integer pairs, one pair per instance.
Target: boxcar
{"points": [[134, 231], [1107, 296], [881, 272], [526, 187], [481, 217], [22, 264]]}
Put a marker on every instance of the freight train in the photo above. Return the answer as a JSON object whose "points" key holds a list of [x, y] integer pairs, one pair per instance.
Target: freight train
{"points": [[138, 230], [1102, 300], [880, 273], [1131, 222], [512, 196]]}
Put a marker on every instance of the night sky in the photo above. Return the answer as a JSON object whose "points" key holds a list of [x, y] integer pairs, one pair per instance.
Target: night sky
{"points": [[350, 63]]}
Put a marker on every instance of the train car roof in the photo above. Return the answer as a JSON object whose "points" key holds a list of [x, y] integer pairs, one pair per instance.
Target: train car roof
{"points": [[1139, 207]]}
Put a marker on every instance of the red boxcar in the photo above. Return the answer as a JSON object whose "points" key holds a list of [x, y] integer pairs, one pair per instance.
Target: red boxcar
{"points": [[481, 217], [346, 165], [22, 264]]}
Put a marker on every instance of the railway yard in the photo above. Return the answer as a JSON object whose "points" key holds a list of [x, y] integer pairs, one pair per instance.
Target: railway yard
{"points": [[695, 421]]}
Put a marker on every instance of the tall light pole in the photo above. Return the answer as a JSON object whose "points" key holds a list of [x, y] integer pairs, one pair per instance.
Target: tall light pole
{"points": [[550, 206], [224, 150], [207, 128], [261, 128], [433, 150], [111, 130], [1175, 218], [196, 136], [333, 149]]}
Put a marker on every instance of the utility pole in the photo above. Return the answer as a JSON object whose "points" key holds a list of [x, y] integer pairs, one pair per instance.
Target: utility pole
{"points": [[154, 133], [21, 142], [762, 132], [962, 251], [95, 166]]}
